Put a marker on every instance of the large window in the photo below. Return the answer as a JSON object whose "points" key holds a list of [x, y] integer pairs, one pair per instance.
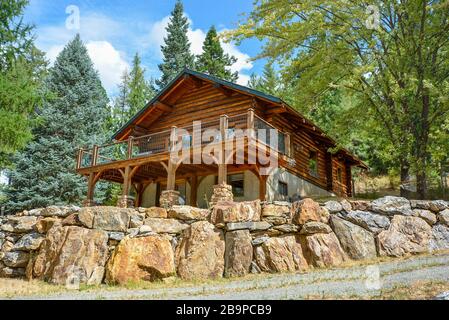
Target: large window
{"points": [[313, 163], [237, 183], [281, 143]]}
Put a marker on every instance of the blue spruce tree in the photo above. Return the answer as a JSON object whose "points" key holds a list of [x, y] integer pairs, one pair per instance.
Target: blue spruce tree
{"points": [[74, 116]]}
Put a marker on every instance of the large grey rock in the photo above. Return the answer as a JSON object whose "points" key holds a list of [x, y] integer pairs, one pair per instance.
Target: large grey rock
{"points": [[313, 227], [443, 217], [434, 205], [406, 235], [333, 206], [427, 215], [323, 250], [16, 259], [440, 238], [252, 226], [59, 211], [188, 213], [390, 205], [17, 224], [357, 242], [29, 242], [166, 225], [287, 228], [238, 253], [368, 220], [136, 220], [274, 210], [232, 212]]}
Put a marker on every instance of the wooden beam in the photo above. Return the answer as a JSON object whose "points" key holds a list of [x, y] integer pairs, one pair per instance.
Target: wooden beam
{"points": [[277, 110], [263, 187], [163, 106], [198, 83], [126, 182], [223, 90], [222, 166], [193, 190]]}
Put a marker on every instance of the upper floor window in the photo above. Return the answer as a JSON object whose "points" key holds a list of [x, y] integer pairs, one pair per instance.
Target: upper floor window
{"points": [[313, 163]]}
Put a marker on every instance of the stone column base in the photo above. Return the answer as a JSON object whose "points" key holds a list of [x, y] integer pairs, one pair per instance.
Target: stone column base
{"points": [[222, 192], [125, 202], [169, 198], [88, 203]]}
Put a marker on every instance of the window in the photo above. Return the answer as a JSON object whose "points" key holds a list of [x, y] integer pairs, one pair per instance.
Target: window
{"points": [[283, 189], [237, 183], [339, 175], [186, 141], [281, 143], [313, 164]]}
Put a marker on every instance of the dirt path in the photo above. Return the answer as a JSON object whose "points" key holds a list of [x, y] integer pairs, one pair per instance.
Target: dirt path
{"points": [[357, 281]]}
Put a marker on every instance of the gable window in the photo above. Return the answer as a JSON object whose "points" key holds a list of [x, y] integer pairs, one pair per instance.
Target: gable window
{"points": [[313, 163], [281, 143], [237, 183], [283, 189], [339, 175]]}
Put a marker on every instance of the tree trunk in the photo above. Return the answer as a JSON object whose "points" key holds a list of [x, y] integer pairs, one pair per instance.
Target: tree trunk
{"points": [[405, 168]]}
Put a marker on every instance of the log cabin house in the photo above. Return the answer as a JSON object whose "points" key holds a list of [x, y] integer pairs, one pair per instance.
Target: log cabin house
{"points": [[138, 157]]}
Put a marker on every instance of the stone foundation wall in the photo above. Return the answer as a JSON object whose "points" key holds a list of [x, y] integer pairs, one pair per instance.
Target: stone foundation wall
{"points": [[92, 245]]}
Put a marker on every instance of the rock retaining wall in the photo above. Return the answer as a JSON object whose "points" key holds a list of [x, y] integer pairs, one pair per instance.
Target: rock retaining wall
{"points": [[115, 245]]}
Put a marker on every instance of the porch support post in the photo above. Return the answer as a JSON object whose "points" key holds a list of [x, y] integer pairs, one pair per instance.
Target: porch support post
{"points": [[124, 199], [170, 196], [89, 201], [348, 180], [193, 190], [222, 166], [263, 187], [251, 124], [288, 145]]}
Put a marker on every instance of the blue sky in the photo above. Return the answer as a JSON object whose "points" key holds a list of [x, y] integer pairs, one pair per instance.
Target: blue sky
{"points": [[114, 30]]}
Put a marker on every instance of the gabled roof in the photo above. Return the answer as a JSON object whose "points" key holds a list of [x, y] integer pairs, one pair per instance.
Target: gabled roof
{"points": [[243, 90]]}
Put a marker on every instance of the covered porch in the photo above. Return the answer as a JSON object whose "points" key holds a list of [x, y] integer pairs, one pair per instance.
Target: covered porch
{"points": [[173, 164]]}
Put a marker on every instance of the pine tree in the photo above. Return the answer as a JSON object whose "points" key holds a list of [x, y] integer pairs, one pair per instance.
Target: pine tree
{"points": [[140, 91], [120, 107], [22, 67], [269, 82], [213, 60], [176, 50], [44, 172]]}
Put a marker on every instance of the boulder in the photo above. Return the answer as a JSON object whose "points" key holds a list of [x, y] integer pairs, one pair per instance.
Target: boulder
{"points": [[17, 224], [7, 246], [188, 213], [147, 258], [6, 272], [55, 211], [443, 217], [406, 235], [287, 228], [166, 225], [426, 215], [156, 212], [200, 255], [29, 242], [252, 226], [333, 206], [273, 210], [357, 242], [136, 220], [391, 206], [368, 220], [116, 236], [238, 253], [440, 238], [346, 205], [361, 205], [71, 220], [282, 254], [323, 250], [72, 253], [306, 210], [276, 221], [224, 212], [16, 259], [434, 206], [44, 225], [313, 227], [112, 218]]}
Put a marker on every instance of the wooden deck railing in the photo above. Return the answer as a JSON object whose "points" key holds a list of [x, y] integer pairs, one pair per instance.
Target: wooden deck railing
{"points": [[159, 143]]}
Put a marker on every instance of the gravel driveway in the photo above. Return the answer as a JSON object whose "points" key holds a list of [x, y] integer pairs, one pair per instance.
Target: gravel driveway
{"points": [[355, 281]]}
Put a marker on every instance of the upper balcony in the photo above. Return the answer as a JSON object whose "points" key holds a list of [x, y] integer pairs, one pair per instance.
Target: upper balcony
{"points": [[158, 145]]}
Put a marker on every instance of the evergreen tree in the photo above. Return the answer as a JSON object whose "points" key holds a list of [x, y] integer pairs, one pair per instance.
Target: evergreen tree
{"points": [[22, 67], [269, 82], [75, 116], [140, 91], [176, 50], [213, 60], [120, 107]]}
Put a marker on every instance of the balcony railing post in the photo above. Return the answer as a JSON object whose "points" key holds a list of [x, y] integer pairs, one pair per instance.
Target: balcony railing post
{"points": [[79, 158], [94, 155], [130, 146], [173, 138], [288, 145]]}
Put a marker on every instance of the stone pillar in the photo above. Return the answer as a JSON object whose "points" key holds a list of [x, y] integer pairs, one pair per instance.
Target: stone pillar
{"points": [[222, 192], [125, 202], [169, 198]]}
